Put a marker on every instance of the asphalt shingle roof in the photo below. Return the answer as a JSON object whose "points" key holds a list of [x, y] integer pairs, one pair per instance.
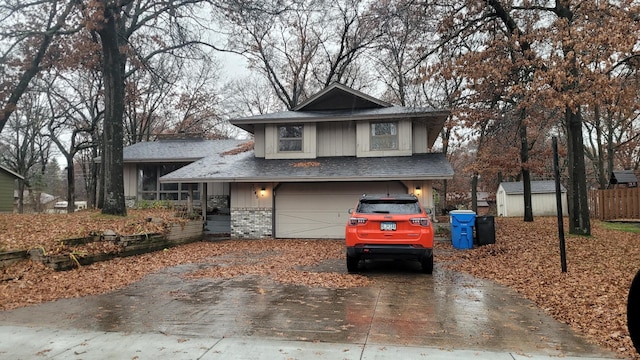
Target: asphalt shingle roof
{"points": [[623, 177], [246, 167], [537, 187], [177, 150]]}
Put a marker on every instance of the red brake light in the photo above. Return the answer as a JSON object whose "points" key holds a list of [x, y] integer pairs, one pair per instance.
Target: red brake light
{"points": [[420, 221], [357, 221]]}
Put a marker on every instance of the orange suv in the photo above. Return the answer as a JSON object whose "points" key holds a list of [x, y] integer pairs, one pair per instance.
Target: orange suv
{"points": [[389, 227]]}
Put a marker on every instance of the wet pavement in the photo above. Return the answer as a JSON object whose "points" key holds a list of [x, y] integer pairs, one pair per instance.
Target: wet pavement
{"points": [[403, 314]]}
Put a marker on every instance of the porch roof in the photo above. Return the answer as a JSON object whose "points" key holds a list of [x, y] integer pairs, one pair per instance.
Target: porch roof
{"points": [[245, 167], [173, 151]]}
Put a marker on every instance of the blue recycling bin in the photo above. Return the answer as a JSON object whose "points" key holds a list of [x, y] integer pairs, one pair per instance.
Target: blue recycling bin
{"points": [[462, 222]]}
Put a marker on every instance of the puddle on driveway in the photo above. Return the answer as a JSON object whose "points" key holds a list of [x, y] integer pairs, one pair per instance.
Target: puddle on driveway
{"points": [[402, 306]]}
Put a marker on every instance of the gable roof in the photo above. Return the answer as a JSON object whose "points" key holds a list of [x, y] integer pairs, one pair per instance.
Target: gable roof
{"points": [[177, 151], [245, 167], [537, 187], [340, 103], [623, 177], [12, 173], [340, 97]]}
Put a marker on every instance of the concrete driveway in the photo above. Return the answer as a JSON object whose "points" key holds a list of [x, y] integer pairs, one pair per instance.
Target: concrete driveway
{"points": [[404, 314]]}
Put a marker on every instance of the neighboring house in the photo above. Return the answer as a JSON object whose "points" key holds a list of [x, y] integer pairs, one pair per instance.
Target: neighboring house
{"points": [[7, 186], [510, 199], [623, 178], [46, 203], [310, 165]]}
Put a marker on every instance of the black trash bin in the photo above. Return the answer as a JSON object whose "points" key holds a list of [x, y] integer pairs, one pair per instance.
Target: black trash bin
{"points": [[485, 230]]}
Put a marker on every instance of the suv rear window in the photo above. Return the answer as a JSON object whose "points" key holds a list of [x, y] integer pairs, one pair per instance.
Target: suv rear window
{"points": [[388, 207]]}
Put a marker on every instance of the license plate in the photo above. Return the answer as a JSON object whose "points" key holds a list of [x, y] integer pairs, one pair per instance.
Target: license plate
{"points": [[387, 226]]}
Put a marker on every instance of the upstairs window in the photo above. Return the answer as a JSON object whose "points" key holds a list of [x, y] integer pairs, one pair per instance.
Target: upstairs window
{"points": [[290, 138], [384, 136]]}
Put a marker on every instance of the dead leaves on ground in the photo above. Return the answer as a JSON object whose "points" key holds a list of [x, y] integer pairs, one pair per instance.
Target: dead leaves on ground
{"points": [[591, 297], [286, 261], [49, 231], [283, 261]]}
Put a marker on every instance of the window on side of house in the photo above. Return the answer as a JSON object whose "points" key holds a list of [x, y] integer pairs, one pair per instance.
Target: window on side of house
{"points": [[290, 137], [149, 187], [384, 136]]}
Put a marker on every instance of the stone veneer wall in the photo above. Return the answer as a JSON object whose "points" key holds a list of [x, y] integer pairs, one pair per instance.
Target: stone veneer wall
{"points": [[251, 223]]}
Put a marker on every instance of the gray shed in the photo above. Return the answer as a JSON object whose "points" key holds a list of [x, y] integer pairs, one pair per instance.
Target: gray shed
{"points": [[510, 199]]}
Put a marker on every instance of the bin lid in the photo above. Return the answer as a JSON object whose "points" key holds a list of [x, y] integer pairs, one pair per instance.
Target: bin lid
{"points": [[462, 212]]}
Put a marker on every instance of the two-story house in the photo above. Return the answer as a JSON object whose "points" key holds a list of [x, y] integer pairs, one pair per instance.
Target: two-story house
{"points": [[309, 166]]}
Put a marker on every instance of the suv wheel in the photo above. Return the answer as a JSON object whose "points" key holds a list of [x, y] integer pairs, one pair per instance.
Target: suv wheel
{"points": [[352, 263], [427, 264]]}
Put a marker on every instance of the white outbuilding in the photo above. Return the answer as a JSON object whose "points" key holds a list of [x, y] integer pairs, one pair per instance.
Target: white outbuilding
{"points": [[510, 199]]}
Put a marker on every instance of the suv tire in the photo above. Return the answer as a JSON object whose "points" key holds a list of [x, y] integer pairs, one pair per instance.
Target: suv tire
{"points": [[352, 263], [427, 264]]}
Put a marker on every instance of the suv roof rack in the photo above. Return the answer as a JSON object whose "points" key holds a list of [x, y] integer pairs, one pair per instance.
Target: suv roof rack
{"points": [[388, 196]]}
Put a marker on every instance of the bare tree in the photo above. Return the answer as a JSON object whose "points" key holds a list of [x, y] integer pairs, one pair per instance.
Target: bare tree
{"points": [[76, 114], [148, 92], [28, 29], [613, 130], [300, 47], [130, 34], [408, 33], [23, 154], [249, 96]]}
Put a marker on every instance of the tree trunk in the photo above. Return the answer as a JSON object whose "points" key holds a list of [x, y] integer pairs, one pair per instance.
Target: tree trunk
{"points": [[112, 157], [474, 192], [579, 222], [71, 185], [93, 178], [100, 184], [526, 174]]}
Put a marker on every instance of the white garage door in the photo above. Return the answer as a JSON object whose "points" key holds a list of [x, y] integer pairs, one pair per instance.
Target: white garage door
{"points": [[320, 210]]}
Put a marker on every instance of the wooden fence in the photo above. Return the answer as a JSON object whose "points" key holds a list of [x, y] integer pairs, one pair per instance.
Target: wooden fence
{"points": [[619, 204]]}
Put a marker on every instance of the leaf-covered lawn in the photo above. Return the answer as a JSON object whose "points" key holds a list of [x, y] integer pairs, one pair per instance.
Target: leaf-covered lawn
{"points": [[45, 231], [590, 297]]}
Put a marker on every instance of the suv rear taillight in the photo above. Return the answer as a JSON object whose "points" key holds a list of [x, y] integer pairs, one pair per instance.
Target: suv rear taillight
{"points": [[419, 221], [357, 221]]}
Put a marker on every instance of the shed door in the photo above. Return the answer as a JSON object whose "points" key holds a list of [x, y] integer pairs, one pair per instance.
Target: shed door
{"points": [[320, 210]]}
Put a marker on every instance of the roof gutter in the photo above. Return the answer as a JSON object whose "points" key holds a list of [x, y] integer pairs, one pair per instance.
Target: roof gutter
{"points": [[309, 179]]}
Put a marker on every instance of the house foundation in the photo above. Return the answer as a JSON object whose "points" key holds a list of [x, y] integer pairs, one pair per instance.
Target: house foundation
{"points": [[251, 223]]}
